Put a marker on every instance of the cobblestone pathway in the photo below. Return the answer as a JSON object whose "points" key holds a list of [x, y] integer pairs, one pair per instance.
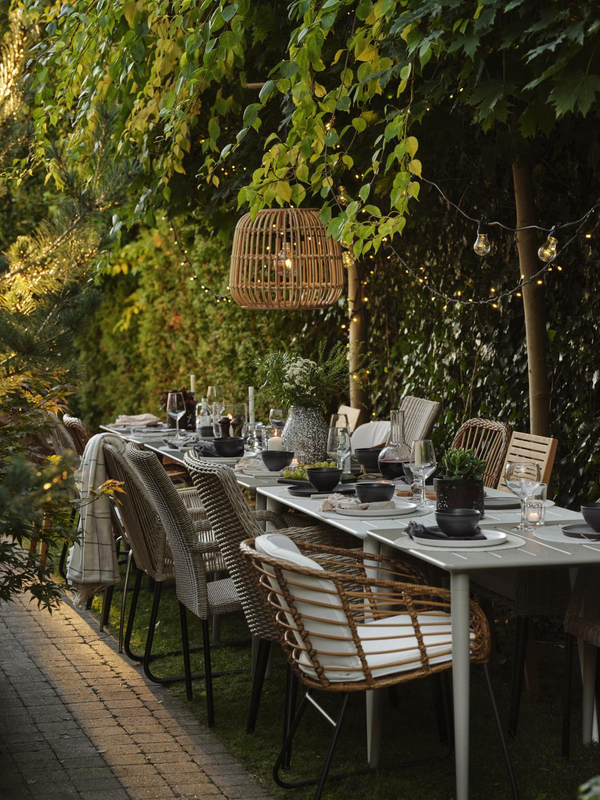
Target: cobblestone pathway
{"points": [[77, 720]]}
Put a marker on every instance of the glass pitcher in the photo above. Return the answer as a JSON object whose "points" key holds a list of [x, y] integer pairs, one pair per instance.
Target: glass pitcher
{"points": [[396, 454]]}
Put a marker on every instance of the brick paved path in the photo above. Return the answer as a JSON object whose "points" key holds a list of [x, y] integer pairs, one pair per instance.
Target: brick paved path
{"points": [[77, 720]]}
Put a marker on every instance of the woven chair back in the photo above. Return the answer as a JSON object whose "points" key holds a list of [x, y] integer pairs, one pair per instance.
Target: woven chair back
{"points": [[231, 523], [525, 447], [143, 528], [489, 439], [419, 417], [78, 431], [345, 631], [190, 571]]}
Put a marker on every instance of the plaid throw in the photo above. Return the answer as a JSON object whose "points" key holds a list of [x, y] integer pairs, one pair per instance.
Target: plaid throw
{"points": [[93, 562]]}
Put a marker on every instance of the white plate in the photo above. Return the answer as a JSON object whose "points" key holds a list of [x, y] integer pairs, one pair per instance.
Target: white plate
{"points": [[400, 510], [262, 473], [549, 503], [492, 539]]}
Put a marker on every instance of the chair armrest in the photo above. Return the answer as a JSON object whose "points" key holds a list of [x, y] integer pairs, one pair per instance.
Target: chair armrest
{"points": [[206, 547], [202, 525], [270, 516], [190, 497], [197, 514]]}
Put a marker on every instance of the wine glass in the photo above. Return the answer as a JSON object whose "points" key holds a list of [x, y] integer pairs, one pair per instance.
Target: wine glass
{"points": [[276, 418], [338, 441], [423, 464], [523, 479], [176, 408]]}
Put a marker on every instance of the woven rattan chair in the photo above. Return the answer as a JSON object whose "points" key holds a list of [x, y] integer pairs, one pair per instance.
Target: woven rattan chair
{"points": [[232, 521], [489, 439], [344, 631], [419, 417], [78, 431], [194, 592]]}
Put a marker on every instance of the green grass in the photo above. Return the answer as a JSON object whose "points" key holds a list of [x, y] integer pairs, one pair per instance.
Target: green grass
{"points": [[410, 730]]}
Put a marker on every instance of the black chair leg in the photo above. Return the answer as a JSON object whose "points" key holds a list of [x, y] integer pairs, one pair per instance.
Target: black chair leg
{"points": [[291, 691], [106, 604], [62, 564], [332, 744], [130, 619], [186, 651], [566, 731], [509, 765], [208, 673], [517, 675], [262, 659], [151, 627]]}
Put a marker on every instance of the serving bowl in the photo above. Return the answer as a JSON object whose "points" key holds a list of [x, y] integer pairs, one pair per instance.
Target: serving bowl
{"points": [[591, 514], [324, 479], [276, 460], [458, 521], [375, 491], [229, 446], [367, 457]]}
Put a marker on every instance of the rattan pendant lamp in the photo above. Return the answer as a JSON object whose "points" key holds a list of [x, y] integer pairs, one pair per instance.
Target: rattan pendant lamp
{"points": [[283, 259]]}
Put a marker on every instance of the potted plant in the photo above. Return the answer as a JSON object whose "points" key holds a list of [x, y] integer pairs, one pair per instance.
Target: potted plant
{"points": [[461, 482], [305, 386]]}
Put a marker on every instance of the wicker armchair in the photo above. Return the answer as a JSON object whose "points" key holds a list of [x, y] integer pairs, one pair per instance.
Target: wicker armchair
{"points": [[489, 439], [78, 431], [344, 631], [419, 417], [194, 592], [232, 521]]}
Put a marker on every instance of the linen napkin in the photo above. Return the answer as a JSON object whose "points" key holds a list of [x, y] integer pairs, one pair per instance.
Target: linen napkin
{"points": [[187, 441], [139, 420], [336, 500], [433, 532], [205, 450], [254, 463]]}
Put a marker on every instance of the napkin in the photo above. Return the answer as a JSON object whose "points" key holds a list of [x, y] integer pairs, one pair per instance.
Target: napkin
{"points": [[187, 441], [205, 450], [140, 420], [254, 463], [341, 501], [415, 529]]}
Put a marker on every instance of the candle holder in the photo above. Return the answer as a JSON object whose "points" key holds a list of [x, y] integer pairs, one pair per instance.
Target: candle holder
{"points": [[229, 419], [535, 507]]}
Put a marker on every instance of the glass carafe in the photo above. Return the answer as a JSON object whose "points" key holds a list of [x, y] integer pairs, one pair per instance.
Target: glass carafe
{"points": [[396, 453]]}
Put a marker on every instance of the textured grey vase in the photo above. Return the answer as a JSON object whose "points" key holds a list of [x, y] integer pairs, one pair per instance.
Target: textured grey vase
{"points": [[305, 433]]}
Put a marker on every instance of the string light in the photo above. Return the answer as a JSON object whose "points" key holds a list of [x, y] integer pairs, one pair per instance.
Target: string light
{"points": [[548, 251], [482, 244], [184, 253]]}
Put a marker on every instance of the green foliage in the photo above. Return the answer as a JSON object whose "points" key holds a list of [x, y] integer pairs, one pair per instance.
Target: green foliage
{"points": [[461, 464], [590, 790], [298, 381]]}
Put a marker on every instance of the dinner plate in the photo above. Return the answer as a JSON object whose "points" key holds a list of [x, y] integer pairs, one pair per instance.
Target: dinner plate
{"points": [[400, 510], [492, 539], [308, 491], [580, 531], [261, 473], [501, 503]]}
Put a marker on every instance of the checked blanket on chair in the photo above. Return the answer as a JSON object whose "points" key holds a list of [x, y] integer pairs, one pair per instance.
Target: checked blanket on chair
{"points": [[93, 562]]}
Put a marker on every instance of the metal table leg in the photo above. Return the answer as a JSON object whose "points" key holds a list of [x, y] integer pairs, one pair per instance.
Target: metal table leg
{"points": [[459, 587]]}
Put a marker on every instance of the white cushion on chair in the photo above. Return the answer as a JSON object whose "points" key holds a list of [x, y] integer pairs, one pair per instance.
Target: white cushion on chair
{"points": [[281, 547], [371, 434]]}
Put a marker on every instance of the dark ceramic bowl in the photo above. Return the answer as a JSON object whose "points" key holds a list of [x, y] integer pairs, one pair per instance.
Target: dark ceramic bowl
{"points": [[324, 479], [276, 460], [367, 457], [375, 491], [230, 446], [591, 514], [458, 521]]}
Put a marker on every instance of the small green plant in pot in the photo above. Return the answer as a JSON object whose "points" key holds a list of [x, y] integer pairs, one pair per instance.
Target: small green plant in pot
{"points": [[460, 484]]}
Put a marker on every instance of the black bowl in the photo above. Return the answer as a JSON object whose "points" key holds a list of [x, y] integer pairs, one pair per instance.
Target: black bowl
{"points": [[375, 491], [324, 479], [229, 446], [276, 460], [591, 514], [458, 521], [367, 457]]}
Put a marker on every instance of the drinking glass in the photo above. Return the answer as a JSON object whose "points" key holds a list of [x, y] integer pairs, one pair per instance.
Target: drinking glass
{"points": [[277, 418], [339, 442], [524, 480], [423, 463], [176, 408]]}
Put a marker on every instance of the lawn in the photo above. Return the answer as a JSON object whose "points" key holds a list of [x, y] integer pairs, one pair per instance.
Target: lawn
{"points": [[410, 730]]}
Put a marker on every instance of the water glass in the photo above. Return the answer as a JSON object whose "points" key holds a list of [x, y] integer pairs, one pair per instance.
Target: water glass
{"points": [[176, 408], [339, 442], [535, 506], [277, 418], [423, 463]]}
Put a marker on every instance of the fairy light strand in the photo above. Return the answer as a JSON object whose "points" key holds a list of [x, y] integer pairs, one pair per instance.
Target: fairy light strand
{"points": [[220, 298]]}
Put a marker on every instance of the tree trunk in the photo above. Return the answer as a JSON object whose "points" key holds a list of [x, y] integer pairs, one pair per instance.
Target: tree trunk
{"points": [[357, 323], [533, 303]]}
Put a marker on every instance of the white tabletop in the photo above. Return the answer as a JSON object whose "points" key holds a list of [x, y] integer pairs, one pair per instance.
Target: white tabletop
{"points": [[534, 553]]}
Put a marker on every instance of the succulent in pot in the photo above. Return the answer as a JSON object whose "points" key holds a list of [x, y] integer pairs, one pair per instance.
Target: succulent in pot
{"points": [[460, 484]]}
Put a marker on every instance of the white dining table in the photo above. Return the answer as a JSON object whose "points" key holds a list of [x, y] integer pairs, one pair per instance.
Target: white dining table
{"points": [[524, 551]]}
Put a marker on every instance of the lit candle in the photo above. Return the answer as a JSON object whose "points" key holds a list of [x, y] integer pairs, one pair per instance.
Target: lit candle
{"points": [[275, 442], [192, 384], [251, 405], [533, 515]]}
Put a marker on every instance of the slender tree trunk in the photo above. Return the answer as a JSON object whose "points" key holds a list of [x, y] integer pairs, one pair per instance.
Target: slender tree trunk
{"points": [[357, 323], [533, 303]]}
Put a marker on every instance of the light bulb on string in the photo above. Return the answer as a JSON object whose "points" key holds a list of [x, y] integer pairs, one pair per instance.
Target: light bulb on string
{"points": [[482, 244], [548, 251], [347, 259], [341, 196], [285, 262]]}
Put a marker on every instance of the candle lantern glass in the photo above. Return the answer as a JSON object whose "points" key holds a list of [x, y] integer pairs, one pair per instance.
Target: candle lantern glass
{"points": [[535, 507]]}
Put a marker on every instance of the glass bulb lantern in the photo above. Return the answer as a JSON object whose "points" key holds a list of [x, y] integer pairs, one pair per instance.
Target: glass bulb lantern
{"points": [[482, 244], [548, 251], [284, 257]]}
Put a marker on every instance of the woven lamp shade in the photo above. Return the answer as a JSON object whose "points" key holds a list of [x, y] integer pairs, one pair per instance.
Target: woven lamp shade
{"points": [[284, 259]]}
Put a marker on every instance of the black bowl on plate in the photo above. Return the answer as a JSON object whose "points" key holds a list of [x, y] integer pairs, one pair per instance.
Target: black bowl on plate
{"points": [[324, 479], [375, 491], [229, 446], [591, 514], [367, 457], [458, 521], [276, 460]]}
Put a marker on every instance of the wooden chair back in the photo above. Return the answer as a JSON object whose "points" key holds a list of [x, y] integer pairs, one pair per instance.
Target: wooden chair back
{"points": [[353, 415], [527, 447], [489, 439]]}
